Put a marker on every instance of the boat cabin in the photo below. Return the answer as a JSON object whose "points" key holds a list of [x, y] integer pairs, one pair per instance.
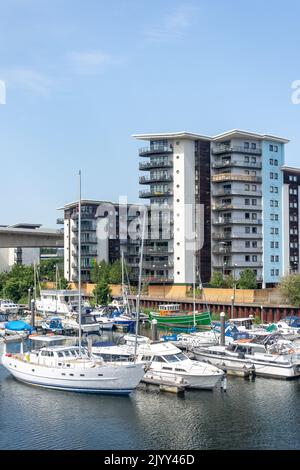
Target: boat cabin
{"points": [[168, 309]]}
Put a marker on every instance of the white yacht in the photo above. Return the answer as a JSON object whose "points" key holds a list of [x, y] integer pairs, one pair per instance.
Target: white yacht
{"points": [[271, 357], [59, 301], [8, 306], [66, 368], [165, 362]]}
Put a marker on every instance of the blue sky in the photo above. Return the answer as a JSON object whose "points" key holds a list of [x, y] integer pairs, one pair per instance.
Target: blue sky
{"points": [[83, 75]]}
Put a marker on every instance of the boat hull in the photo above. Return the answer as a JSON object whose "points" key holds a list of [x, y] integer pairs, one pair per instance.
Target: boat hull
{"points": [[200, 382], [108, 379], [261, 369], [201, 319]]}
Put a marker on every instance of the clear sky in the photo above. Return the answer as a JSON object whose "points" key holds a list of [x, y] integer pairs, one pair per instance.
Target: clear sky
{"points": [[83, 75]]}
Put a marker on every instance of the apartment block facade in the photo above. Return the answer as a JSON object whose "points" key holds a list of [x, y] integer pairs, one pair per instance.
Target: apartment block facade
{"points": [[107, 229], [291, 219], [237, 181]]}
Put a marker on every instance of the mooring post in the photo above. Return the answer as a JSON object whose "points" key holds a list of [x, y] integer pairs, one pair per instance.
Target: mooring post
{"points": [[154, 330]]}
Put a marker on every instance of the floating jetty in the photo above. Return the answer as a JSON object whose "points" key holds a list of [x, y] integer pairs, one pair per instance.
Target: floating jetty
{"points": [[171, 385]]}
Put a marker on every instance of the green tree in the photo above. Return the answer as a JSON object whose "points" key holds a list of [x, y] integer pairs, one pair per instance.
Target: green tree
{"points": [[102, 293], [247, 279], [290, 289], [115, 272], [217, 280], [229, 281]]}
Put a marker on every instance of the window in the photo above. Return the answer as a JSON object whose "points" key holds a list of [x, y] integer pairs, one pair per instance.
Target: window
{"points": [[271, 148], [254, 244], [247, 258], [275, 148], [271, 161], [271, 175], [254, 229], [247, 244], [253, 159], [246, 159], [254, 258], [247, 202], [253, 146], [246, 145], [254, 202], [247, 229]]}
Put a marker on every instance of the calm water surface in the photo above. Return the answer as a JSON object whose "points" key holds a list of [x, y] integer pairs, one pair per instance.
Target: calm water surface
{"points": [[253, 414]]}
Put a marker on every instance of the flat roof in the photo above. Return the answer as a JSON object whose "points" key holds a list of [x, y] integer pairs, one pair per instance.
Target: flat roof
{"points": [[69, 205], [172, 135], [290, 169], [25, 225], [237, 133], [234, 133]]}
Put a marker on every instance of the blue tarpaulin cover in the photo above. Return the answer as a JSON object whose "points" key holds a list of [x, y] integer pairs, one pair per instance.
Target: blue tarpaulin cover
{"points": [[19, 325]]}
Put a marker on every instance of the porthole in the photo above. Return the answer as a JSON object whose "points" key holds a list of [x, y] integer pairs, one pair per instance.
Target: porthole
{"points": [[178, 243], [178, 272], [177, 186], [177, 200], [177, 171]]}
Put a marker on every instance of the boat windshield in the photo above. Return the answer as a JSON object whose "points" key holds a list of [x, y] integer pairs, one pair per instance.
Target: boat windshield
{"points": [[181, 356], [172, 358]]}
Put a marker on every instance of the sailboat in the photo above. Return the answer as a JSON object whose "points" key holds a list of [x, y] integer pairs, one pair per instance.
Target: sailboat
{"points": [[73, 368]]}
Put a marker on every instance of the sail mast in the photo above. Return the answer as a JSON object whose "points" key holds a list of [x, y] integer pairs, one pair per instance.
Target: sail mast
{"points": [[140, 283], [79, 264]]}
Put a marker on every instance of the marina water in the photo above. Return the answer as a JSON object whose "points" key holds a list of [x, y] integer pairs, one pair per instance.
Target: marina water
{"points": [[253, 414]]}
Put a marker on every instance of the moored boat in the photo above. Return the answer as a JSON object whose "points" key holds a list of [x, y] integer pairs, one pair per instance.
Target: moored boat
{"points": [[271, 357], [170, 315]]}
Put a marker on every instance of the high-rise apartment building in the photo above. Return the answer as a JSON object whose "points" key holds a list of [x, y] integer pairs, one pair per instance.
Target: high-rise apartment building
{"points": [[176, 169], [291, 219], [107, 229], [236, 180]]}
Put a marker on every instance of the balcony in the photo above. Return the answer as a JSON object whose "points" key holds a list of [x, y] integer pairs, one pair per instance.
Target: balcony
{"points": [[154, 265], [84, 216], [84, 241], [159, 149], [237, 192], [152, 193], [240, 265], [235, 206], [236, 163], [221, 250], [220, 178], [155, 179], [157, 279], [155, 164], [236, 236], [84, 228], [230, 221], [235, 149], [161, 250]]}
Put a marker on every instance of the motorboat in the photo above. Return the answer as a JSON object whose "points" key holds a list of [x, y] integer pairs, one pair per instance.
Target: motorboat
{"points": [[164, 361], [70, 369], [89, 323], [61, 302], [271, 357], [8, 306]]}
